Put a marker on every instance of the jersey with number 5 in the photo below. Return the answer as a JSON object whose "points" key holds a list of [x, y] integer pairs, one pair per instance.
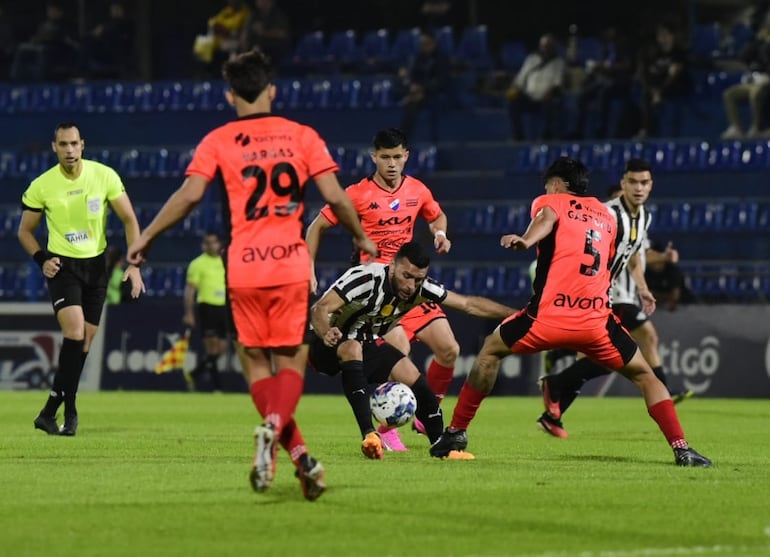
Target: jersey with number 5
{"points": [[572, 282], [265, 162]]}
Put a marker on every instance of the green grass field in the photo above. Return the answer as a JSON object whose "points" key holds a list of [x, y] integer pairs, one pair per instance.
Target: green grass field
{"points": [[167, 475]]}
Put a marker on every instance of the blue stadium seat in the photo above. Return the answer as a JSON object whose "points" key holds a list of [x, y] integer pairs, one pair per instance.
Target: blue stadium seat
{"points": [[705, 41], [342, 52], [445, 40], [374, 51], [473, 48], [309, 51], [405, 45], [588, 48], [512, 55]]}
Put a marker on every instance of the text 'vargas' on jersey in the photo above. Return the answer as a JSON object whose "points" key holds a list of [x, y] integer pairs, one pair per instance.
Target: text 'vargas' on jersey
{"points": [[265, 162]]}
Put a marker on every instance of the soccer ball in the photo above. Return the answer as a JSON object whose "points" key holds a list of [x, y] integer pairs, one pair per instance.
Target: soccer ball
{"points": [[393, 404]]}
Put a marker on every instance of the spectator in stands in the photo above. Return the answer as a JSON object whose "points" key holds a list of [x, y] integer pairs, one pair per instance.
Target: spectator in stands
{"points": [[222, 37], [607, 79], [111, 45], [754, 85], [664, 77], [426, 83], [537, 88], [51, 53], [268, 28], [665, 278]]}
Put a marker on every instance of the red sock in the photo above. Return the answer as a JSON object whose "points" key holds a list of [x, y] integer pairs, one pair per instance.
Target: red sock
{"points": [[467, 405], [665, 416], [260, 394], [291, 440], [439, 378], [288, 391]]}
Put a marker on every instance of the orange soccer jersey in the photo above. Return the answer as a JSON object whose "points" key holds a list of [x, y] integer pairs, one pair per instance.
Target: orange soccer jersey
{"points": [[388, 217], [265, 162], [571, 287]]}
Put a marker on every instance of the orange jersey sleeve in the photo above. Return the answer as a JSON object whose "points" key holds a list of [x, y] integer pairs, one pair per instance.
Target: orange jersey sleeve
{"points": [[265, 162], [388, 217], [571, 287]]}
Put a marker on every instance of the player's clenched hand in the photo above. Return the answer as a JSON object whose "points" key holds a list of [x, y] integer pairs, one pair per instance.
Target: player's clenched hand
{"points": [[441, 243], [51, 267], [332, 336], [366, 245], [137, 251], [514, 242]]}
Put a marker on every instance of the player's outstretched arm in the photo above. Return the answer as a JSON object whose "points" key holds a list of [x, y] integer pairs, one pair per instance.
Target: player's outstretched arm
{"points": [[313, 241], [177, 207], [540, 227], [477, 306], [340, 203]]}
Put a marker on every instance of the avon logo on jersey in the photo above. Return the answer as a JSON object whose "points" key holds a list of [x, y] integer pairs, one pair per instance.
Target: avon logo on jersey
{"points": [[78, 237], [579, 302], [395, 204], [274, 253]]}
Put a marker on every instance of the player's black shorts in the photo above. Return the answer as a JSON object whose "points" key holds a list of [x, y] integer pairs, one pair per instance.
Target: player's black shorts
{"points": [[379, 358], [214, 321], [80, 282], [631, 317]]}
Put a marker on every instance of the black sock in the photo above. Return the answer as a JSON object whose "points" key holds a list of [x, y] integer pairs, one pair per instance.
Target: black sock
{"points": [[71, 392], [356, 390], [568, 383], [658, 371], [210, 365], [428, 410], [70, 364]]}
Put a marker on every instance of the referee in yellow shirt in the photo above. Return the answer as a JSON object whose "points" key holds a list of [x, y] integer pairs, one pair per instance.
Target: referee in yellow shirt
{"points": [[74, 196], [206, 288]]}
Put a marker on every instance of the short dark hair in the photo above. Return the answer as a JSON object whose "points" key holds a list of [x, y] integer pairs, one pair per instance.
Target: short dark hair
{"points": [[572, 171], [415, 253], [66, 126], [248, 74], [389, 138], [637, 165]]}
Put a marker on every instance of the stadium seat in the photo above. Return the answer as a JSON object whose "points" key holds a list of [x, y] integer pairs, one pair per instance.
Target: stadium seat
{"points": [[473, 49], [705, 41], [445, 40], [374, 51], [310, 51], [512, 55], [342, 52], [405, 45], [588, 48]]}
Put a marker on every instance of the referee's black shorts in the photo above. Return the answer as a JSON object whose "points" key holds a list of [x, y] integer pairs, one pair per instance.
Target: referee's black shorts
{"points": [[80, 282], [214, 320]]}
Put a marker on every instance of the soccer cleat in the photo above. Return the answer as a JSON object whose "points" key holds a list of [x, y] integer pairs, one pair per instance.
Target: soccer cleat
{"points": [[460, 455], [682, 396], [450, 441], [70, 426], [554, 427], [417, 427], [46, 424], [690, 457], [390, 439], [311, 477], [551, 404], [371, 446], [263, 471]]}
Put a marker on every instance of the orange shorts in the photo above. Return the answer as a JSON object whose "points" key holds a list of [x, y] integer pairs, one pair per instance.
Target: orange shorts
{"points": [[611, 345], [417, 318], [270, 317]]}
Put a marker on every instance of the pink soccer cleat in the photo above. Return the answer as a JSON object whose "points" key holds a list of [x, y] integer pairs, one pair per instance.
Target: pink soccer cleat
{"points": [[390, 439]]}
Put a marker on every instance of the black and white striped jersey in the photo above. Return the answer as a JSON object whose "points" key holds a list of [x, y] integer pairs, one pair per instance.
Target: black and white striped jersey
{"points": [[631, 237], [371, 305]]}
